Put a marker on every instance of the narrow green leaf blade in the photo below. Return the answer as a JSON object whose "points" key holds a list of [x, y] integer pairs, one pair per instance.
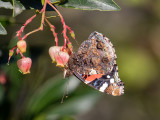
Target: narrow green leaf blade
{"points": [[2, 30]]}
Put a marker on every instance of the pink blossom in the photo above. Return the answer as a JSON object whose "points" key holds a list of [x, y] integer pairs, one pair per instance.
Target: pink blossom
{"points": [[24, 65], [22, 45]]}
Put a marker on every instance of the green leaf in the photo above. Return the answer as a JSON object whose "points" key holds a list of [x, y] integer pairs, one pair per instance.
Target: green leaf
{"points": [[17, 7], [58, 1], [13, 41], [80, 103], [2, 30], [6, 5], [49, 92], [16, 79], [102, 5]]}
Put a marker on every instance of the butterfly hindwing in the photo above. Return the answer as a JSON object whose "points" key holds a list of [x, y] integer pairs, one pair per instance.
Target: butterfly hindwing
{"points": [[95, 64]]}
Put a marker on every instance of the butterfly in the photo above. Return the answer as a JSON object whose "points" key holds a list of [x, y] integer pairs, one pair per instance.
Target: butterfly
{"points": [[95, 64]]}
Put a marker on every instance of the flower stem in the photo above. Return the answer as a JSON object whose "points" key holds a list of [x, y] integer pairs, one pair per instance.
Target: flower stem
{"points": [[42, 21], [53, 31], [63, 23], [25, 24]]}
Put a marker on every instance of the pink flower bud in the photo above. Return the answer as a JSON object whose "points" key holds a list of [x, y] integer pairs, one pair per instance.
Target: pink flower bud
{"points": [[53, 51], [21, 44], [70, 48], [24, 65], [61, 59], [72, 34], [11, 52]]}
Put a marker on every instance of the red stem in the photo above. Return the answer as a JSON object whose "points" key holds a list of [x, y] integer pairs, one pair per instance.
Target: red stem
{"points": [[21, 54], [24, 25], [30, 20], [14, 47], [53, 31], [62, 20]]}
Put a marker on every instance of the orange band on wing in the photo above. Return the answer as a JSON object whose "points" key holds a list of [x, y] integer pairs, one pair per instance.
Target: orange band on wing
{"points": [[93, 77]]}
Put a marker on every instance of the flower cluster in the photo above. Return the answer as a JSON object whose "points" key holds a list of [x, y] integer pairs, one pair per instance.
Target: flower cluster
{"points": [[58, 54]]}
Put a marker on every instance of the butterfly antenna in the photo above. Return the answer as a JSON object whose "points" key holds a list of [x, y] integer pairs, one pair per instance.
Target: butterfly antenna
{"points": [[65, 94], [67, 84], [76, 42]]}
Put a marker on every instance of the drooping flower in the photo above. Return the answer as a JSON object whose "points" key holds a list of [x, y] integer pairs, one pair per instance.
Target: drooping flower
{"points": [[21, 44], [53, 51], [61, 59], [24, 65], [59, 56]]}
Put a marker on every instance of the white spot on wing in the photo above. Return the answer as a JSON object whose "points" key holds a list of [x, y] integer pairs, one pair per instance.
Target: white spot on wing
{"points": [[103, 87], [92, 72], [108, 76], [112, 80], [116, 74], [122, 89]]}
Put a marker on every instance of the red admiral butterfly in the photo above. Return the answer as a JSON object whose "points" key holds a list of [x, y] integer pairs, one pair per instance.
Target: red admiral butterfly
{"points": [[95, 64]]}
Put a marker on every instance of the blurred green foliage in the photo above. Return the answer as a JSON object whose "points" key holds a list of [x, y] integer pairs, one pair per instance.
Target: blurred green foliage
{"points": [[134, 31]]}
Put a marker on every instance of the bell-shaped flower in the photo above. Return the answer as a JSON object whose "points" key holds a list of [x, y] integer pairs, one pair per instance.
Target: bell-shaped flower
{"points": [[24, 65]]}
